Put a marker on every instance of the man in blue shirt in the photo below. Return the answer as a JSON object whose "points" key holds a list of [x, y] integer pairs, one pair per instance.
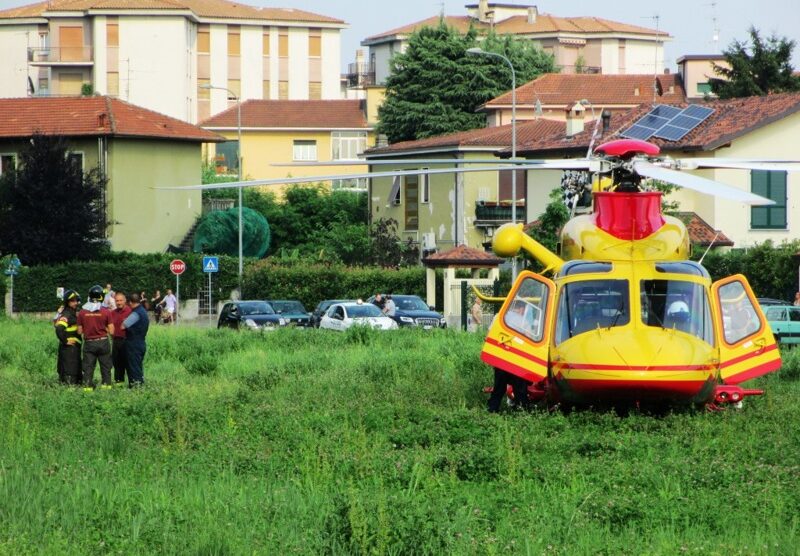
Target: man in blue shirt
{"points": [[136, 325]]}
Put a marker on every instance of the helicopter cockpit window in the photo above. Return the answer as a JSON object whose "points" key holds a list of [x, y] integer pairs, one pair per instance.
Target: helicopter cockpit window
{"points": [[739, 317], [583, 267], [677, 304], [592, 304], [683, 267], [526, 312]]}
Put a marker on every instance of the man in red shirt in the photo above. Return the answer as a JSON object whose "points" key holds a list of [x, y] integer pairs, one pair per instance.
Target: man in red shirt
{"points": [[94, 323], [118, 352]]}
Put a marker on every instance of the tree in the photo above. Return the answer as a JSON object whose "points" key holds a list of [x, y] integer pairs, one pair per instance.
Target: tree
{"points": [[760, 68], [434, 87], [548, 226], [50, 210]]}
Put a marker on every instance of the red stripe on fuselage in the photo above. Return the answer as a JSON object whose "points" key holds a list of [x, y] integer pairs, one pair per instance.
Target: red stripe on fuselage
{"points": [[517, 351], [748, 356], [510, 367], [592, 367], [762, 369]]}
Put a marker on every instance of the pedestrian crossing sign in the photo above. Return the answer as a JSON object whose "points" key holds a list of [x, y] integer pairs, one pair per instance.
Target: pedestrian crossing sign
{"points": [[210, 264]]}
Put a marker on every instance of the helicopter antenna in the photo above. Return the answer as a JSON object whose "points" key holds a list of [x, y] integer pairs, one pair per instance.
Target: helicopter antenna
{"points": [[709, 247]]}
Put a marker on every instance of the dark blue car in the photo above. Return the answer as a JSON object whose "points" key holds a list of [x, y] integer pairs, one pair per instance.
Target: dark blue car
{"points": [[255, 315], [410, 310]]}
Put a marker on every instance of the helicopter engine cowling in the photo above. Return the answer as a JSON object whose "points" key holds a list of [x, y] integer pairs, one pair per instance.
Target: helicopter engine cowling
{"points": [[625, 227]]}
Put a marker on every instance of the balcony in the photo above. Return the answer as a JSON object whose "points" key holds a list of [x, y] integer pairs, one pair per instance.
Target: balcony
{"points": [[61, 56], [492, 214], [360, 74], [580, 69]]}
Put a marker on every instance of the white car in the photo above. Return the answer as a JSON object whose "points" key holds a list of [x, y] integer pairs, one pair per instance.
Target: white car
{"points": [[342, 316]]}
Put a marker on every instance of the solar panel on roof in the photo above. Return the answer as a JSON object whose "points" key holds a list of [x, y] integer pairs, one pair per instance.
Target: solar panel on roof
{"points": [[668, 122]]}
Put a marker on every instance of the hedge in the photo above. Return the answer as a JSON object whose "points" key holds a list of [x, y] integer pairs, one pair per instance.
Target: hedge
{"points": [[312, 283], [35, 287]]}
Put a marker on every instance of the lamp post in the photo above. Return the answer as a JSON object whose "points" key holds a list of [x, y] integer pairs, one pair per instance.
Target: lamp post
{"points": [[480, 52], [239, 168]]}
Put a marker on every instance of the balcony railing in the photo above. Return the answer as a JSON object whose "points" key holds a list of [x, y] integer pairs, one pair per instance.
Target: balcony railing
{"points": [[580, 69], [491, 213], [61, 55], [360, 74]]}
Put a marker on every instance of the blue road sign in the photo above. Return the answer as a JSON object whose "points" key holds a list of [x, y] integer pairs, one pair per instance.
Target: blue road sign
{"points": [[210, 264]]}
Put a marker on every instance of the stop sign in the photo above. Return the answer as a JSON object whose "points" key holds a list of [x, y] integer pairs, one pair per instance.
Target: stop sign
{"points": [[177, 267]]}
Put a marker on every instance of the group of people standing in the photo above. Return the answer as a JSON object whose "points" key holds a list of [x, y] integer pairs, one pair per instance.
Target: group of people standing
{"points": [[110, 330], [385, 304]]}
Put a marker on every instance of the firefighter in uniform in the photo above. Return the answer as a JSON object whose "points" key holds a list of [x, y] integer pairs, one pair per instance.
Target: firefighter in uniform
{"points": [[95, 324], [69, 347]]}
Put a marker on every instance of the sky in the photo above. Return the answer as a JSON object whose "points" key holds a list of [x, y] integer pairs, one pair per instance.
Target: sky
{"points": [[689, 22]]}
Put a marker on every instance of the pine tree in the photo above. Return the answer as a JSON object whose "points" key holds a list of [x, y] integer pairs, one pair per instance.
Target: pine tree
{"points": [[760, 68], [50, 210], [434, 87]]}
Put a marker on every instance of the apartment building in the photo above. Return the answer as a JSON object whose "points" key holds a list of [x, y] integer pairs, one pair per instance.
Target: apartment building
{"points": [[578, 44], [165, 54]]}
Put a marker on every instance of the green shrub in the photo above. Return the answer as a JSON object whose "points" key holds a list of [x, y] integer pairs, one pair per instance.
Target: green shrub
{"points": [[35, 286]]}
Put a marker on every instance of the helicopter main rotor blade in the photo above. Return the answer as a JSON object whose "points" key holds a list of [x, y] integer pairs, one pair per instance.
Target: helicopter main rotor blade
{"points": [[701, 185], [410, 162], [312, 179], [739, 164]]}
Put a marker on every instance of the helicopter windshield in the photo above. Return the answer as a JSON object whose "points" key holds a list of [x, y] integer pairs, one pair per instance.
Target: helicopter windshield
{"points": [[677, 304], [592, 304]]}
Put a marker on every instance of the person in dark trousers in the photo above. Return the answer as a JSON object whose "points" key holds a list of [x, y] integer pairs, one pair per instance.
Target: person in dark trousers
{"points": [[94, 324], [136, 325], [518, 385], [155, 303], [69, 342], [119, 354]]}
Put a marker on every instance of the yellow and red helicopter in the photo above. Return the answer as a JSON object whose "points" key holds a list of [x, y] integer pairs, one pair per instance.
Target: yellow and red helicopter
{"points": [[627, 317]]}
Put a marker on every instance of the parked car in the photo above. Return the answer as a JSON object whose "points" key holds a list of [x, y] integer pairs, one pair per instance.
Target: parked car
{"points": [[255, 315], [291, 310], [322, 308], [766, 301], [342, 316], [785, 323], [412, 311]]}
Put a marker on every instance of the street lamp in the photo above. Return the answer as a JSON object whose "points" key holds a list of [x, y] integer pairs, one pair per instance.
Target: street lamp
{"points": [[239, 167], [480, 52]]}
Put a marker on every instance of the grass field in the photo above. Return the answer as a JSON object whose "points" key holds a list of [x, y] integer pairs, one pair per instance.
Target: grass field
{"points": [[309, 442]]}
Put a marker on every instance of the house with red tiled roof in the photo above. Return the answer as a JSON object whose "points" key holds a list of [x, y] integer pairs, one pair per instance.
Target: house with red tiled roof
{"points": [[164, 54], [136, 149], [578, 44], [763, 128], [292, 131], [441, 211], [553, 94]]}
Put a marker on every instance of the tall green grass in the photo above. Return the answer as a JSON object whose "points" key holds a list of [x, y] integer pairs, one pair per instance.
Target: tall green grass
{"points": [[311, 442]]}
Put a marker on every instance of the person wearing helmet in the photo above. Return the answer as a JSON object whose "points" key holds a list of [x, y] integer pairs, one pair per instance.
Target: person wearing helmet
{"points": [[678, 316], [69, 341], [95, 325]]}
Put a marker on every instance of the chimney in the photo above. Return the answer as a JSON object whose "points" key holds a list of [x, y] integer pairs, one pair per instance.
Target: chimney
{"points": [[606, 117], [575, 119], [483, 11], [636, 91], [532, 13], [359, 57]]}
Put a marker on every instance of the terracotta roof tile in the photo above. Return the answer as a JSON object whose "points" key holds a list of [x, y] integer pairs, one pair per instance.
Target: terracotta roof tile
{"points": [[93, 116], [499, 136], [222, 9], [731, 119], [323, 114], [462, 256], [599, 89], [701, 233], [544, 24]]}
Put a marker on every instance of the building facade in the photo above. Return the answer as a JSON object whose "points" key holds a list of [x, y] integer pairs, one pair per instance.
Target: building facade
{"points": [[137, 150], [163, 55], [578, 44], [276, 132]]}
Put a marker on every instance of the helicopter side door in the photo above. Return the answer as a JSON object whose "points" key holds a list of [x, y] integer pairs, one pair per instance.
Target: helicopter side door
{"points": [[746, 344], [519, 338]]}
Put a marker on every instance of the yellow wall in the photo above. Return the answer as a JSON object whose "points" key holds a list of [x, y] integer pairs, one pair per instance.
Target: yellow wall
{"points": [[262, 149]]}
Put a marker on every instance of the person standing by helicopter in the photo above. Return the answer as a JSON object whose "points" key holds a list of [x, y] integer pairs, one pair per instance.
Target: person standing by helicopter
{"points": [[95, 324], [69, 341]]}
